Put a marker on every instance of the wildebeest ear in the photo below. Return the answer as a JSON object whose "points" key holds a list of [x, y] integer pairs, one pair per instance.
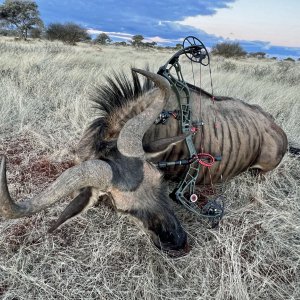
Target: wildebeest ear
{"points": [[161, 146]]}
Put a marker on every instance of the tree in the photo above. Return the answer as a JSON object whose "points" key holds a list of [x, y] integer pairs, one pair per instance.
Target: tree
{"points": [[21, 15], [178, 47], [228, 50], [120, 43], [35, 33], [258, 54], [289, 59], [149, 44], [55, 31], [69, 33], [137, 40], [102, 39]]}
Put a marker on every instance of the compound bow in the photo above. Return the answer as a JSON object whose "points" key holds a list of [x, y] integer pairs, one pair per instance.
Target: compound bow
{"points": [[185, 193]]}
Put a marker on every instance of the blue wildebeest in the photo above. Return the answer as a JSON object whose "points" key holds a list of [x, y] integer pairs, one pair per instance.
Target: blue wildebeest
{"points": [[118, 152]]}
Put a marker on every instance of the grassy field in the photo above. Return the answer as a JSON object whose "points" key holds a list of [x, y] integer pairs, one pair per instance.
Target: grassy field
{"points": [[44, 107]]}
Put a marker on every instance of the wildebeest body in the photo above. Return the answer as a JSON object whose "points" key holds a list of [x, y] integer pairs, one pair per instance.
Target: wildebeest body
{"points": [[243, 135]]}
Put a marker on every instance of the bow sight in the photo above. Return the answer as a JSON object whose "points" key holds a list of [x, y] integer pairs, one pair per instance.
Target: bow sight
{"points": [[185, 193]]}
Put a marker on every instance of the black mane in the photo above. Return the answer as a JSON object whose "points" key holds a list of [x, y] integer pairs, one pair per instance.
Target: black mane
{"points": [[118, 91]]}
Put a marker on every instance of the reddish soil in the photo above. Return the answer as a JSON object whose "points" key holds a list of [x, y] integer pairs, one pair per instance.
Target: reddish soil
{"points": [[28, 167]]}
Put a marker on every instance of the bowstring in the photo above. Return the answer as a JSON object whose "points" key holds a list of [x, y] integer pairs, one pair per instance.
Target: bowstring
{"points": [[216, 123], [201, 119]]}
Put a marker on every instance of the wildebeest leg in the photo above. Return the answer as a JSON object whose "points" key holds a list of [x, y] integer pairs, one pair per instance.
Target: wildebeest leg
{"points": [[273, 148], [77, 205]]}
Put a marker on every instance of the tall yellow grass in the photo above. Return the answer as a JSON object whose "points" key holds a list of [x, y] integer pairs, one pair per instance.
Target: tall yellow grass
{"points": [[44, 108]]}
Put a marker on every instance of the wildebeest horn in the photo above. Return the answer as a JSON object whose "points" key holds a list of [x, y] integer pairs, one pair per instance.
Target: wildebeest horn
{"points": [[130, 138], [94, 173]]}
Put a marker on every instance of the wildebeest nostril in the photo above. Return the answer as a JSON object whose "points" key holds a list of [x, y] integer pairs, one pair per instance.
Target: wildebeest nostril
{"points": [[181, 240], [175, 250], [171, 240]]}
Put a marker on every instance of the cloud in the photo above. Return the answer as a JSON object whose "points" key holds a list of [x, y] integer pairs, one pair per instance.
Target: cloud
{"points": [[158, 39], [271, 50], [176, 32], [266, 20], [94, 31], [132, 16], [156, 20], [112, 34]]}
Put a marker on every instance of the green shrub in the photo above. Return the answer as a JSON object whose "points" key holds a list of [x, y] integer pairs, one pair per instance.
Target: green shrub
{"points": [[69, 33], [228, 50], [102, 39]]}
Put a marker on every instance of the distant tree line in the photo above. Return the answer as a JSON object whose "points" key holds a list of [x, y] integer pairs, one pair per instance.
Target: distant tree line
{"points": [[137, 41], [21, 18]]}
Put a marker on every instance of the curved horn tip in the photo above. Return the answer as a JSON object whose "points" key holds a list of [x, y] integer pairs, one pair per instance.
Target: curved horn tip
{"points": [[137, 70], [159, 80], [149, 73], [2, 157], [142, 72]]}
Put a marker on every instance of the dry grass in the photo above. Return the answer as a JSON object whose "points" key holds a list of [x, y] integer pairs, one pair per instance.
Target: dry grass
{"points": [[254, 254]]}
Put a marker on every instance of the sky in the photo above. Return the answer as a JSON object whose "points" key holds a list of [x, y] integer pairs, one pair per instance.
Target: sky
{"points": [[271, 26]]}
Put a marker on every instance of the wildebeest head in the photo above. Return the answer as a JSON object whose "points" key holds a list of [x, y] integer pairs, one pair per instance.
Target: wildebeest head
{"points": [[118, 168]]}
